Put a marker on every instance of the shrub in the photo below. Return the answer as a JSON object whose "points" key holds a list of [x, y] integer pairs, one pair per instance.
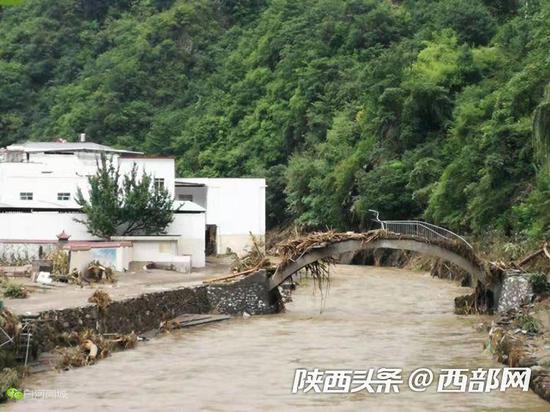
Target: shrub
{"points": [[527, 323], [539, 282], [13, 290]]}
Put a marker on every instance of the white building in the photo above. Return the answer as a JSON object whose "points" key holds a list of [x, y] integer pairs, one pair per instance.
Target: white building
{"points": [[38, 183], [235, 209]]}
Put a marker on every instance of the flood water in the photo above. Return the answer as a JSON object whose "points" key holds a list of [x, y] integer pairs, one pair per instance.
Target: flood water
{"points": [[372, 317]]}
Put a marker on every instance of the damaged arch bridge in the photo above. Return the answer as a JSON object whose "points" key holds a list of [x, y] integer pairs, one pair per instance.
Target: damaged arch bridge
{"points": [[420, 237]]}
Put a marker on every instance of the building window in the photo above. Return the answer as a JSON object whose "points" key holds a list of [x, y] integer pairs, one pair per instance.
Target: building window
{"points": [[185, 198], [159, 183], [25, 196], [63, 196]]}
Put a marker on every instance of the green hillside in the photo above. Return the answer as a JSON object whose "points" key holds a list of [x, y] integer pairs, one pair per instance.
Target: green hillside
{"points": [[420, 109]]}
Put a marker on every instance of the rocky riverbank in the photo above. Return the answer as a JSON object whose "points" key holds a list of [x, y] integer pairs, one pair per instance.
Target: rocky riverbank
{"points": [[521, 338]]}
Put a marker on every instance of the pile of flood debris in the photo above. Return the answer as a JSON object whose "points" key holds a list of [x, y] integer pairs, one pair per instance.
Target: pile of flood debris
{"points": [[293, 249], [518, 338], [95, 272], [77, 349], [248, 263], [101, 299], [87, 347], [538, 260]]}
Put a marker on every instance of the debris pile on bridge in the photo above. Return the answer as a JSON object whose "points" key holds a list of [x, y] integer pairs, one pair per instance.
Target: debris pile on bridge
{"points": [[254, 260], [292, 250], [247, 264]]}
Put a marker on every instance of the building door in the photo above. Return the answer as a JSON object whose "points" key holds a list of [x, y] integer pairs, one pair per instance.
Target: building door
{"points": [[211, 234]]}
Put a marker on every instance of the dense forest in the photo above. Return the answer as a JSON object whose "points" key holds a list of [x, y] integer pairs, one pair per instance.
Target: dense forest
{"points": [[437, 110]]}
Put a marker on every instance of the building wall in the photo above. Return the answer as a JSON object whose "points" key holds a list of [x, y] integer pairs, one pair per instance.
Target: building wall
{"points": [[155, 249], [163, 168], [46, 175], [44, 180], [46, 225], [42, 226], [117, 258], [236, 207], [198, 194], [191, 229]]}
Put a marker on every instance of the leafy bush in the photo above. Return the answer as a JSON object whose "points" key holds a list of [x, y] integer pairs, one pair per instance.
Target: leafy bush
{"points": [[13, 290], [539, 282], [527, 323]]}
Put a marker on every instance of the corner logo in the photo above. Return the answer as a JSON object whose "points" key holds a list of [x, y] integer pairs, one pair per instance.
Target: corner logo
{"points": [[10, 2], [14, 394]]}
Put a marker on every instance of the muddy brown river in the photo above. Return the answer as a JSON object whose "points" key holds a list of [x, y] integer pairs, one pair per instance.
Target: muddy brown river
{"points": [[372, 317]]}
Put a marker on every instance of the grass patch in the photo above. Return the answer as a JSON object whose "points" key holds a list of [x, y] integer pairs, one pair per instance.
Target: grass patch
{"points": [[14, 290], [526, 322]]}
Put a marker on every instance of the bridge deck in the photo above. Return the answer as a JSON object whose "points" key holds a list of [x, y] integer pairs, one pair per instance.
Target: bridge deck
{"points": [[300, 253]]}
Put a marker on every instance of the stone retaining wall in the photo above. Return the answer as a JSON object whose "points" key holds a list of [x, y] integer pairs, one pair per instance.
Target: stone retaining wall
{"points": [[250, 295], [145, 312]]}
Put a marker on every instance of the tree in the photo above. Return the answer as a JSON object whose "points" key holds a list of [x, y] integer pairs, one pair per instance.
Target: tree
{"points": [[420, 108], [126, 206], [103, 207]]}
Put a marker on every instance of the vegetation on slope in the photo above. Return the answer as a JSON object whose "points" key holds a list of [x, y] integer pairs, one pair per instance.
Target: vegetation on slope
{"points": [[416, 108]]}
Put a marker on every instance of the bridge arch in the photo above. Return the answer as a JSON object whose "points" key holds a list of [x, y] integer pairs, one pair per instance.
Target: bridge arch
{"points": [[337, 248]]}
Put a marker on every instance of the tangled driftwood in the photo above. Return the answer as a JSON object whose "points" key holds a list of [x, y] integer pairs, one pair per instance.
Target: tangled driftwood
{"points": [[251, 262], [543, 251], [292, 250], [86, 347], [97, 272], [101, 299]]}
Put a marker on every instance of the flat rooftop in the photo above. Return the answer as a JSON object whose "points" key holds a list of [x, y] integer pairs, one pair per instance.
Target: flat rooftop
{"points": [[63, 147]]}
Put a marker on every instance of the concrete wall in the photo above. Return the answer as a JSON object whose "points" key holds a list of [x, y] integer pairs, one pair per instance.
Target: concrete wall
{"points": [[191, 229], [46, 175], [26, 228], [162, 250], [12, 253], [156, 249], [117, 258], [46, 225], [235, 206], [163, 168], [41, 226]]}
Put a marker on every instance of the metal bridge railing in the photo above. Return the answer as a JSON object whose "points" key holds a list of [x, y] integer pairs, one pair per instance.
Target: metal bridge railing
{"points": [[420, 229]]}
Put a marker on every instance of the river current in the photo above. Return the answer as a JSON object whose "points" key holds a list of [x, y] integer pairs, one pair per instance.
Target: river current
{"points": [[371, 318]]}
